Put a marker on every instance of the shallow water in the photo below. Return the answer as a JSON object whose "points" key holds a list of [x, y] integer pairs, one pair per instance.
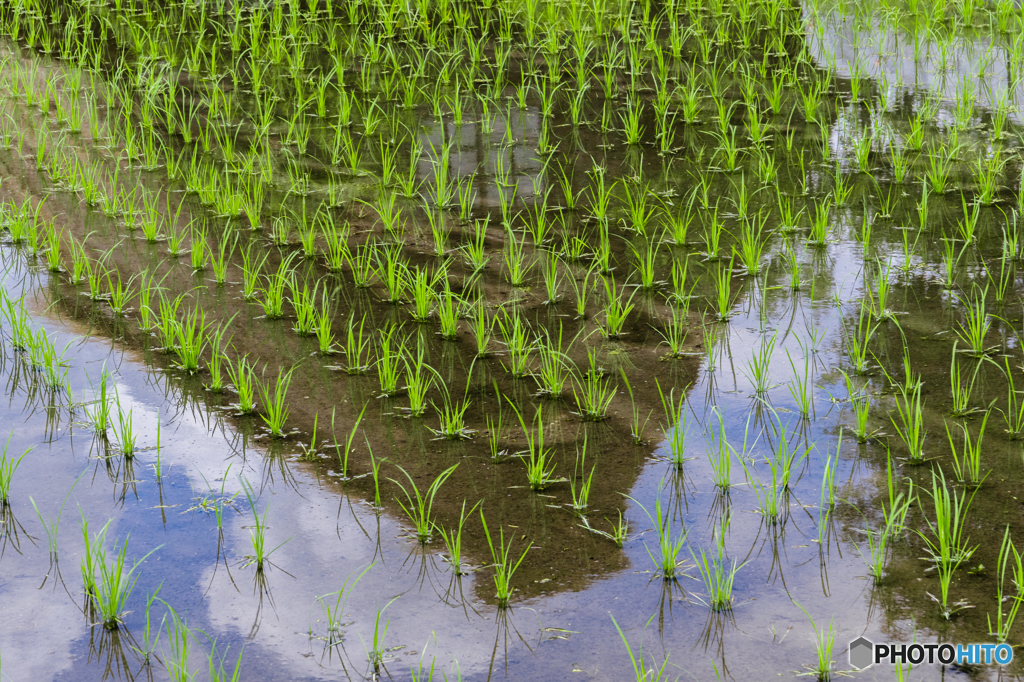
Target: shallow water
{"points": [[572, 583]]}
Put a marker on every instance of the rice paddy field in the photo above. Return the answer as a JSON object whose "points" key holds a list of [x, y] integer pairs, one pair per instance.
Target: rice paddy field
{"points": [[509, 339]]}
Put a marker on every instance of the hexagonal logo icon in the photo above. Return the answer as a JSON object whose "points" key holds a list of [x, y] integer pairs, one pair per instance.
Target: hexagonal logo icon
{"points": [[861, 653]]}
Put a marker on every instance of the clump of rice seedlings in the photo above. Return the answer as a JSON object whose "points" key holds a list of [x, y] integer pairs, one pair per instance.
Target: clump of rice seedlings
{"points": [[99, 412], [304, 304], [824, 640], [124, 433], [940, 166], [643, 669], [419, 378], [539, 467], [108, 580], [243, 379], [390, 354], [333, 613], [8, 465], [859, 339], [666, 560], [475, 251], [554, 365], [275, 403], [860, 404], [453, 540], [617, 308], [452, 416], [514, 257], [770, 500], [757, 370], [716, 573], [191, 335], [449, 308], [946, 542], [419, 506], [579, 486], [820, 224], [1008, 557], [505, 565], [274, 289], [1013, 415], [967, 462], [251, 267], [975, 327], [592, 392], [118, 292], [357, 346], [519, 342], [676, 417], [800, 387], [344, 451], [720, 455], [422, 286], [393, 273], [785, 456], [961, 387], [258, 532], [879, 288], [323, 323], [910, 427]]}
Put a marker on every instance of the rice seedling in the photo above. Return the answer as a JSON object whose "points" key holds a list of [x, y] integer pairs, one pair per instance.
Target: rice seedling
{"points": [[453, 540], [452, 416], [667, 559], [1008, 557], [345, 451], [419, 506], [357, 346], [275, 403], [539, 468], [910, 427], [717, 575], [644, 670], [967, 462], [108, 580], [243, 380], [616, 309], [8, 465], [504, 563], [824, 640], [390, 353], [858, 340], [516, 334], [946, 542], [757, 370], [800, 387], [274, 289], [191, 340], [975, 327], [258, 532], [124, 433]]}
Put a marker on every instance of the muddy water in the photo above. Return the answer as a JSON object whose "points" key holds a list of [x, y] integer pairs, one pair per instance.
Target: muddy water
{"points": [[572, 582]]}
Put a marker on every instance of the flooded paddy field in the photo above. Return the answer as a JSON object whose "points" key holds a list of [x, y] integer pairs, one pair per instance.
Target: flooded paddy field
{"points": [[524, 340]]}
